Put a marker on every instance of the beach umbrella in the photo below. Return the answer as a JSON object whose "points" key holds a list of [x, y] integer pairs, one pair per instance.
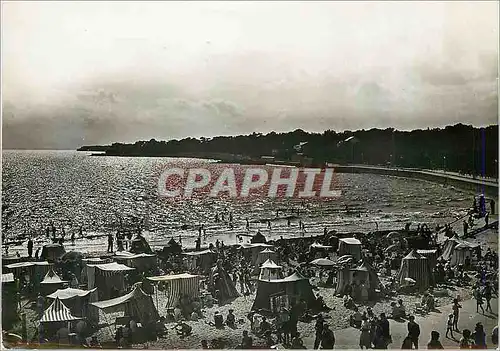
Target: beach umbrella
{"points": [[345, 257], [393, 235], [322, 262], [72, 256], [392, 247], [410, 280]]}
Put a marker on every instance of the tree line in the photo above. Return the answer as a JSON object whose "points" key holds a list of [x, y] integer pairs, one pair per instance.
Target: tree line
{"points": [[461, 148]]}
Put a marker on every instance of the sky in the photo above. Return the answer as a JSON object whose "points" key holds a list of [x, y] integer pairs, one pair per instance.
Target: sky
{"points": [[84, 73]]}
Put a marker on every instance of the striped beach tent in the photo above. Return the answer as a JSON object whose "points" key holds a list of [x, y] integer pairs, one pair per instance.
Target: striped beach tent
{"points": [[417, 267], [57, 312], [350, 246], [106, 277], [178, 285]]}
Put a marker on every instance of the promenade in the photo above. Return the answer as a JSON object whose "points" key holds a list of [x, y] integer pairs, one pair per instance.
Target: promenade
{"points": [[348, 338], [487, 186]]}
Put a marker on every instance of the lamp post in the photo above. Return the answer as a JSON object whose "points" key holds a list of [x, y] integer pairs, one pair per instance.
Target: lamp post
{"points": [[444, 164]]}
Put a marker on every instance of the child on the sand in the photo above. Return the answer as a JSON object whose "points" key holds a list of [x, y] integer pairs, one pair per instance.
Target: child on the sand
{"points": [[456, 306], [449, 325]]}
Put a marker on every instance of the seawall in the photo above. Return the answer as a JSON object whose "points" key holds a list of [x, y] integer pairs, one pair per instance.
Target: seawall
{"points": [[477, 186]]}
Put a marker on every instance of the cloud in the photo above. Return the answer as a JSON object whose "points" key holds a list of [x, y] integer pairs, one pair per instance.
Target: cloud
{"points": [[100, 73]]}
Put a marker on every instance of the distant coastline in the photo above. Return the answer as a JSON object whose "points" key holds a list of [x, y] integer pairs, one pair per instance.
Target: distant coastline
{"points": [[460, 148]]}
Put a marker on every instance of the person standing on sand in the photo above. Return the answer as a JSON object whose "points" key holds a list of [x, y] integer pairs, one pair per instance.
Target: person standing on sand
{"points": [[434, 343], [319, 331], [328, 338], [449, 325], [110, 243], [246, 341], [487, 296], [479, 337], [413, 331], [479, 299], [456, 308], [364, 337], [30, 247]]}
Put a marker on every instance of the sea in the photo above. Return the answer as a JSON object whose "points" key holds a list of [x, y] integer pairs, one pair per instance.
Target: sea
{"points": [[99, 193]]}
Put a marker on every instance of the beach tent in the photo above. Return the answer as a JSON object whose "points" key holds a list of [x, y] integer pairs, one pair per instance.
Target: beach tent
{"points": [[178, 285], [136, 305], [270, 271], [202, 260], [57, 312], [172, 247], [318, 246], [431, 255], [77, 301], [465, 249], [319, 250], [219, 280], [416, 267], [275, 294], [363, 273], [51, 282], [142, 262], [251, 251], [323, 262], [460, 253], [33, 271], [92, 261], [9, 301], [344, 277], [52, 252], [107, 277], [264, 255], [140, 245], [350, 246]]}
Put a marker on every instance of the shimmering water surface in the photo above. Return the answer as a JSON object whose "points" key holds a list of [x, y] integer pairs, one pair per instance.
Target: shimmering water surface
{"points": [[75, 189]]}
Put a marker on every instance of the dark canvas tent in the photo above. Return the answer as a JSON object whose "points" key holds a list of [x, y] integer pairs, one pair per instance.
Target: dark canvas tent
{"points": [[33, 271], [219, 280], [136, 305], [416, 267], [201, 260], [363, 273], [350, 246], [295, 287], [142, 262], [177, 285], [52, 252], [140, 245], [9, 300], [251, 251], [431, 255]]}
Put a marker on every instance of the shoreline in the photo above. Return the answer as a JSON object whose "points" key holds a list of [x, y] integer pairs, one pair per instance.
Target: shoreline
{"points": [[477, 185]]}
